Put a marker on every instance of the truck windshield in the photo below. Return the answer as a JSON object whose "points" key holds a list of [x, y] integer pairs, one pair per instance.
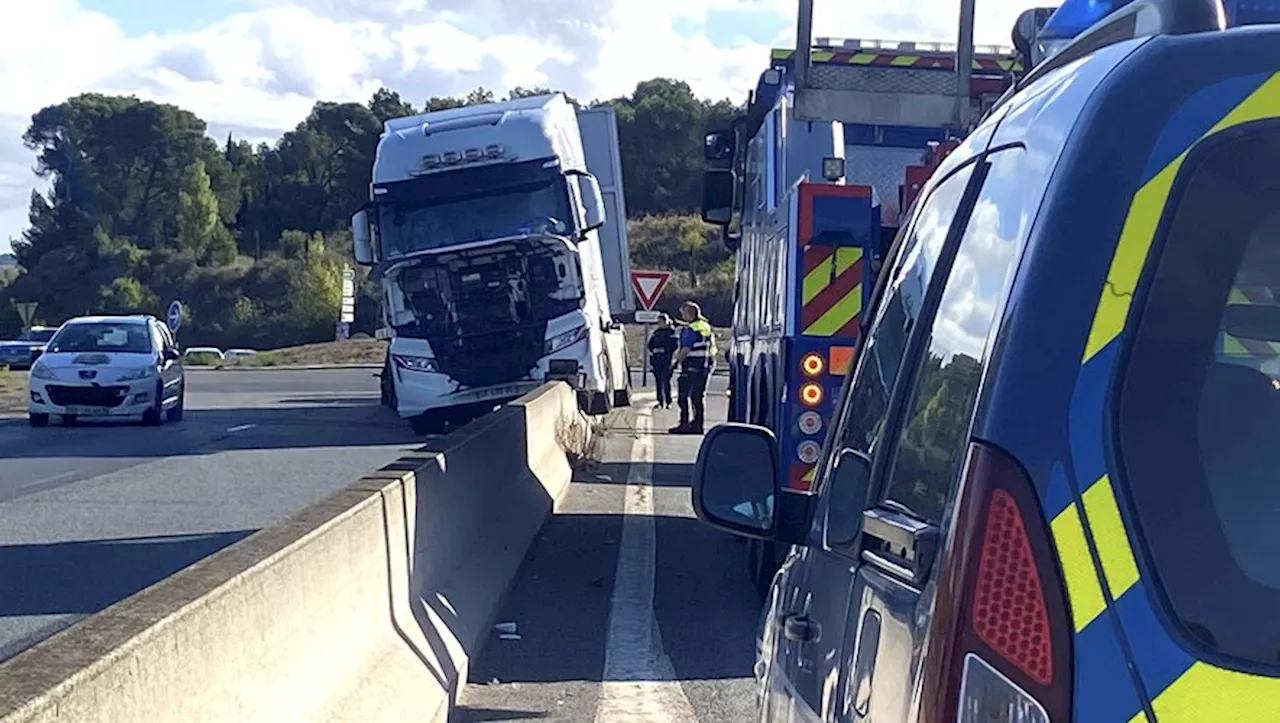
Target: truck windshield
{"points": [[418, 224]]}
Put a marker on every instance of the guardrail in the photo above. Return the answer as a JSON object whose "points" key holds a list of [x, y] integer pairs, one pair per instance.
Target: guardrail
{"points": [[368, 605]]}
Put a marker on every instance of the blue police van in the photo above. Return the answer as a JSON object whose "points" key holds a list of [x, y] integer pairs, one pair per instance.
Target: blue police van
{"points": [[1052, 492]]}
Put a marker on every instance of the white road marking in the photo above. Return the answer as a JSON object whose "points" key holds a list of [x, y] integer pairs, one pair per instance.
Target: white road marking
{"points": [[241, 427], [640, 684], [51, 479]]}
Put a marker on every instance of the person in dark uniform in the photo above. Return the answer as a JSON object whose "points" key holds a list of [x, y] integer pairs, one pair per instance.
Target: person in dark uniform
{"points": [[696, 357], [662, 346]]}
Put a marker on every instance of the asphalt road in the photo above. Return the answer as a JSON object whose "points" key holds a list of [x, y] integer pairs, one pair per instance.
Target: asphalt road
{"points": [[93, 513], [627, 607]]}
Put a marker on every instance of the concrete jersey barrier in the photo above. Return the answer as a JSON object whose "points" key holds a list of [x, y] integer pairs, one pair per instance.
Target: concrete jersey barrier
{"points": [[365, 606]]}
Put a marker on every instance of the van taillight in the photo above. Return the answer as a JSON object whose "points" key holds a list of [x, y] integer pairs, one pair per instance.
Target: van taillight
{"points": [[1000, 648]]}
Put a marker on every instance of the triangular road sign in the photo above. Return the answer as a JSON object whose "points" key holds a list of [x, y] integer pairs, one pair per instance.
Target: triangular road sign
{"points": [[26, 311], [648, 286]]}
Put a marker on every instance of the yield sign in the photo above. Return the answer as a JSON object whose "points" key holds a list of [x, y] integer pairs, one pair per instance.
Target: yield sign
{"points": [[648, 286]]}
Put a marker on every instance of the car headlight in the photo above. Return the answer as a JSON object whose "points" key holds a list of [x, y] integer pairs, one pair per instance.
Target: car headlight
{"points": [[565, 339], [143, 373], [415, 363], [40, 371]]}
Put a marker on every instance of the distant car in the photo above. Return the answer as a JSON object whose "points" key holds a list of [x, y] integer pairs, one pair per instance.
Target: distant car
{"points": [[22, 352], [236, 353], [204, 355], [108, 366]]}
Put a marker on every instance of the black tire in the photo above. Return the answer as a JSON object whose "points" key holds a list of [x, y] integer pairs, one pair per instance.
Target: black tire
{"points": [[175, 413], [38, 420], [760, 566], [154, 416], [68, 420], [386, 385], [428, 424]]}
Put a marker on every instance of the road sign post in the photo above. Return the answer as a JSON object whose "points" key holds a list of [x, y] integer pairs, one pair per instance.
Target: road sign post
{"points": [[347, 313], [174, 316], [26, 312], [648, 286]]}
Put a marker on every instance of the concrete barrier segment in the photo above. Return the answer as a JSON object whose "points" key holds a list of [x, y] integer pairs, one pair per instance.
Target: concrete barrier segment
{"points": [[367, 605]]}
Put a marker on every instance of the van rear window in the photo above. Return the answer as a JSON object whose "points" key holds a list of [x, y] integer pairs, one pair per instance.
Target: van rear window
{"points": [[1198, 421]]}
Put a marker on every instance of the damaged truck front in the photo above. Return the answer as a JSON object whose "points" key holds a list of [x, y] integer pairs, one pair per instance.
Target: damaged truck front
{"points": [[483, 230]]}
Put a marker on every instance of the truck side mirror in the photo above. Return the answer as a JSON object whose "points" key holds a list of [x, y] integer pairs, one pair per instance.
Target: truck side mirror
{"points": [[717, 197], [718, 146], [362, 237], [592, 202]]}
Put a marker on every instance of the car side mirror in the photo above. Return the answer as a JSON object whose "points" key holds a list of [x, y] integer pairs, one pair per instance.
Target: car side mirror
{"points": [[735, 480]]}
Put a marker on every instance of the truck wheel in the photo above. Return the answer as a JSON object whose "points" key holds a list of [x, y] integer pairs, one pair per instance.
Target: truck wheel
{"points": [[386, 386], [428, 424], [38, 420]]}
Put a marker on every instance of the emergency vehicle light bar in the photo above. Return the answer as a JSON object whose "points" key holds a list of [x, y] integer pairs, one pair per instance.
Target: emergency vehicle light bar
{"points": [[1137, 19]]}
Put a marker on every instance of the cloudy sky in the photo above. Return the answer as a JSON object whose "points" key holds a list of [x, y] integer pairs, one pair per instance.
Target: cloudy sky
{"points": [[256, 66]]}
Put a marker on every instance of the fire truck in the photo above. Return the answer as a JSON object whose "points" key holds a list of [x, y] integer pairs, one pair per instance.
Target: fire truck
{"points": [[809, 186]]}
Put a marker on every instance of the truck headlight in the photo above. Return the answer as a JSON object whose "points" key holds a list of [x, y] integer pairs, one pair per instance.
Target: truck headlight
{"points": [[143, 373], [565, 339], [415, 363], [40, 371]]}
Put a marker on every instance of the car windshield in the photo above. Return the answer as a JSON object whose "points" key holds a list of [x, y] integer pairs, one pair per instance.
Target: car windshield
{"points": [[406, 227], [39, 336], [102, 337]]}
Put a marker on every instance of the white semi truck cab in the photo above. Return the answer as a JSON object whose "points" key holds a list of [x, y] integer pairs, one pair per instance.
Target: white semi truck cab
{"points": [[484, 228]]}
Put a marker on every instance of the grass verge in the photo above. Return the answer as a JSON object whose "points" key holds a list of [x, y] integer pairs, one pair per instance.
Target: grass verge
{"points": [[13, 391], [352, 351]]}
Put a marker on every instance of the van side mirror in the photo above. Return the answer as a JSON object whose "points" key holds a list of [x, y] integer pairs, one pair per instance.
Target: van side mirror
{"points": [[717, 197], [362, 237], [850, 481], [719, 146], [735, 480], [592, 202]]}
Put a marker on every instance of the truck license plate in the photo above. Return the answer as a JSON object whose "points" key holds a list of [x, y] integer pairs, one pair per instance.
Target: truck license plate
{"points": [[511, 390], [87, 411]]}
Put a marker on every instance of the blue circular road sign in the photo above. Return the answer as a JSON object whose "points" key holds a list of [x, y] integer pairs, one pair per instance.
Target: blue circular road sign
{"points": [[175, 315]]}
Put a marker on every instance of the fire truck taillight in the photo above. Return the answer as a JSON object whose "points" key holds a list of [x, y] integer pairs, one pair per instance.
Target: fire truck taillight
{"points": [[811, 394], [808, 451], [812, 364], [810, 422]]}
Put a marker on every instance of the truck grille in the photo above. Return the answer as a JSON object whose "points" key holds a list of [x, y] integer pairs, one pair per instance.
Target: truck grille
{"points": [[87, 396], [484, 359]]}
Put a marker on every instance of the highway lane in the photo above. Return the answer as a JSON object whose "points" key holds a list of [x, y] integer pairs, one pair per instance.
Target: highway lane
{"points": [[92, 513], [627, 607]]}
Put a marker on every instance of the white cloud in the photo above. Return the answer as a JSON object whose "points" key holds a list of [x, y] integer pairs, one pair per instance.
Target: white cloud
{"points": [[260, 68]]}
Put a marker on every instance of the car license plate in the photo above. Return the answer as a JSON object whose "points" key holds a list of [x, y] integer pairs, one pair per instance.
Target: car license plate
{"points": [[87, 411]]}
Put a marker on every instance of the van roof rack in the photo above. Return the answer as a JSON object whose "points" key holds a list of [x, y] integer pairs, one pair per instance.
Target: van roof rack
{"points": [[1137, 19]]}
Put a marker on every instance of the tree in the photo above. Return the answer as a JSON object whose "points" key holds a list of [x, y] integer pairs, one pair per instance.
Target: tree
{"points": [[200, 229], [387, 104], [144, 207]]}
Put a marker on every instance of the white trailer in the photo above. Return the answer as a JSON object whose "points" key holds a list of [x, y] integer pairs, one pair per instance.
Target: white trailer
{"points": [[484, 228]]}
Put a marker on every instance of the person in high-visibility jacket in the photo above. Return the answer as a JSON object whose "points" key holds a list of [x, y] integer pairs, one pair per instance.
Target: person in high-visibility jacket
{"points": [[696, 358]]}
